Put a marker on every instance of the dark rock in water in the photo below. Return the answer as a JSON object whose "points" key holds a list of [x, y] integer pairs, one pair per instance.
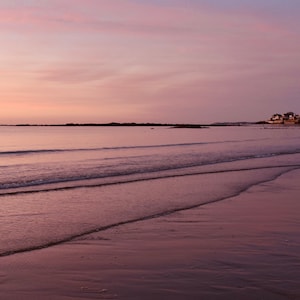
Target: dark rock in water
{"points": [[189, 126]]}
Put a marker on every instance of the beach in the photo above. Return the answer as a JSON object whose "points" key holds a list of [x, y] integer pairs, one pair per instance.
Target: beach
{"points": [[243, 247], [150, 150]]}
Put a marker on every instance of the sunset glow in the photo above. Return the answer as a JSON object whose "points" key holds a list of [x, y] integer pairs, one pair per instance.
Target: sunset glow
{"points": [[193, 61]]}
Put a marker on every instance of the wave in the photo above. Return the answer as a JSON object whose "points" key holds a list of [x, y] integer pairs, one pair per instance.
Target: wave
{"points": [[81, 234], [51, 176], [67, 179], [44, 151], [79, 183]]}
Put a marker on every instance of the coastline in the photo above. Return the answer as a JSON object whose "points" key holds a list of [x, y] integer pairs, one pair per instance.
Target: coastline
{"points": [[133, 124], [245, 247]]}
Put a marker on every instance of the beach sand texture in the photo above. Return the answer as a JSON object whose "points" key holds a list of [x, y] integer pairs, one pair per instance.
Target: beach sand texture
{"points": [[244, 247]]}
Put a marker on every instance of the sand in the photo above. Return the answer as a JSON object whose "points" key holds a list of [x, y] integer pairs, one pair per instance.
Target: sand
{"points": [[245, 247]]}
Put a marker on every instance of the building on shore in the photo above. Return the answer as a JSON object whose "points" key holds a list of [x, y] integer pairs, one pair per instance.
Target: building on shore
{"points": [[287, 118]]}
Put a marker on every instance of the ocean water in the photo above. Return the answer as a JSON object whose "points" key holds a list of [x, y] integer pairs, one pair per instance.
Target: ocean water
{"points": [[61, 183]]}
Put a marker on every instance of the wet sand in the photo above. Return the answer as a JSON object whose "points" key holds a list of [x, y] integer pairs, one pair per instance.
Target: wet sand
{"points": [[245, 247]]}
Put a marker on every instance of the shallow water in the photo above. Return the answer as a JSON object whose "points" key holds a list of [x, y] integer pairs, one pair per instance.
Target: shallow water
{"points": [[59, 183]]}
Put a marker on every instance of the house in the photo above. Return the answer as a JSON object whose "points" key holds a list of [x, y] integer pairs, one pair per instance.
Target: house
{"points": [[276, 119], [290, 118], [287, 118]]}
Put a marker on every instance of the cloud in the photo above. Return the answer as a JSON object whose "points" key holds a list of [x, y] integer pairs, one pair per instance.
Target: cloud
{"points": [[124, 18], [73, 74]]}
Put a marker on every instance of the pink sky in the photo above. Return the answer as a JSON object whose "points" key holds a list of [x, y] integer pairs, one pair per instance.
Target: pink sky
{"points": [[195, 61]]}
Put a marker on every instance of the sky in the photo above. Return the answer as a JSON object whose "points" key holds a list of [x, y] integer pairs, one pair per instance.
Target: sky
{"points": [[174, 61]]}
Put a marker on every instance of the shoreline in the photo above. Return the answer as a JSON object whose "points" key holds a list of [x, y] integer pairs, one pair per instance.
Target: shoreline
{"points": [[133, 124], [245, 247]]}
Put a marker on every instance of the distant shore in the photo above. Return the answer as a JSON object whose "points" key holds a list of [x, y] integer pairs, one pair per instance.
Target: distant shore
{"points": [[133, 124], [171, 125]]}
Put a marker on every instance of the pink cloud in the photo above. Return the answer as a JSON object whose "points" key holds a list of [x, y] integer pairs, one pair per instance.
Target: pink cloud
{"points": [[74, 73], [122, 17]]}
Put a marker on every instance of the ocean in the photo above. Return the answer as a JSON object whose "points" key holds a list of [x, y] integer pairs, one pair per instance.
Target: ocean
{"points": [[61, 183]]}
